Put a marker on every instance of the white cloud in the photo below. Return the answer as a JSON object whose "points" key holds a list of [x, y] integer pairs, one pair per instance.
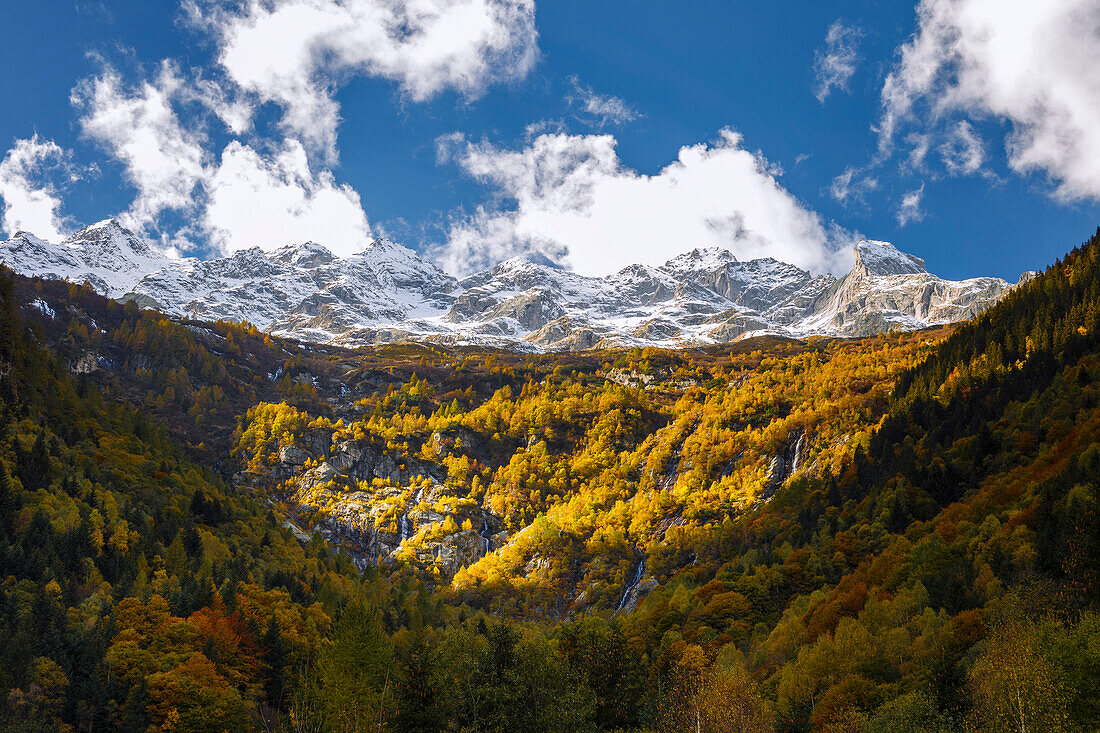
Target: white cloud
{"points": [[910, 209], [571, 196], [234, 111], [244, 198], [275, 200], [30, 204], [852, 186], [295, 52], [139, 127], [599, 109], [963, 152], [1033, 64], [835, 64], [919, 145]]}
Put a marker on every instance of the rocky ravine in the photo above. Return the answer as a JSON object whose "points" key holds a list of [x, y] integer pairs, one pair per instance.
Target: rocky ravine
{"points": [[388, 293]]}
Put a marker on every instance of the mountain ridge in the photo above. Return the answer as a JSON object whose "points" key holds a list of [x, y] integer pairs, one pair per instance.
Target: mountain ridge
{"points": [[388, 293]]}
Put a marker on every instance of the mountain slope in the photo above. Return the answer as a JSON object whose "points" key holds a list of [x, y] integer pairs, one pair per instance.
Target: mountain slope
{"points": [[876, 562], [387, 293], [878, 534], [138, 591]]}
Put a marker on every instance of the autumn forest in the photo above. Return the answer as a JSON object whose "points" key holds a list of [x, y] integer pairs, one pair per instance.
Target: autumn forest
{"points": [[207, 528]]}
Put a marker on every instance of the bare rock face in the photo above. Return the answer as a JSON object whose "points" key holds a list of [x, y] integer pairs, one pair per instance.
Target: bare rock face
{"points": [[785, 463], [890, 290], [359, 523], [531, 309], [388, 293], [658, 329], [353, 524], [380, 506], [472, 304], [637, 594], [734, 324], [89, 363], [292, 455], [454, 552]]}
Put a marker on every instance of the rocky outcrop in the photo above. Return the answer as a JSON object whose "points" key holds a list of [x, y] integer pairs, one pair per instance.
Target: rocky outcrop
{"points": [[785, 463], [890, 290], [657, 329], [330, 487], [735, 324], [453, 552], [530, 309], [638, 587], [637, 594], [90, 363]]}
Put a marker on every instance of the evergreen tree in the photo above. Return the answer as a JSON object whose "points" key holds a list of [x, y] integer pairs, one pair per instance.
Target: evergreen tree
{"points": [[418, 701], [354, 673], [273, 648]]}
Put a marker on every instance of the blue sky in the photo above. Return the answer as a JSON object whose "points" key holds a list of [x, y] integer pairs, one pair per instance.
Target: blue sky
{"points": [[964, 131]]}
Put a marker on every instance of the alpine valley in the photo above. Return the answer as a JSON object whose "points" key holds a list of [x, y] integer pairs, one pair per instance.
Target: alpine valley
{"points": [[205, 526], [387, 293]]}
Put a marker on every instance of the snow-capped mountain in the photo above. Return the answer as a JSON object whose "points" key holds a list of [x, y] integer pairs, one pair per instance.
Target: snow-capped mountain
{"points": [[106, 256], [389, 293], [888, 289], [301, 289]]}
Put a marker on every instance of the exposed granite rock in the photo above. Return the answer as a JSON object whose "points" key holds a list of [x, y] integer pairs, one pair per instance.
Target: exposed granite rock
{"points": [[637, 594]]}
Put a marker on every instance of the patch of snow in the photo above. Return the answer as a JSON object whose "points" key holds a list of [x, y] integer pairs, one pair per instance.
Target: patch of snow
{"points": [[44, 308]]}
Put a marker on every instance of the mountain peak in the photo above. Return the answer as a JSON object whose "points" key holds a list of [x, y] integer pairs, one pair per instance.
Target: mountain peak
{"points": [[29, 238], [536, 259], [700, 259], [306, 254], [107, 225], [109, 234], [384, 247], [387, 291], [882, 258]]}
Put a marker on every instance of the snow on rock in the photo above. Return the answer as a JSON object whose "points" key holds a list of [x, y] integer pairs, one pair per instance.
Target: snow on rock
{"points": [[890, 290], [882, 258], [108, 257], [44, 308], [389, 293]]}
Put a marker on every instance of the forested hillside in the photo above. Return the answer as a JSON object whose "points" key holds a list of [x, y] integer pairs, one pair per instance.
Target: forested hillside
{"points": [[205, 528]]}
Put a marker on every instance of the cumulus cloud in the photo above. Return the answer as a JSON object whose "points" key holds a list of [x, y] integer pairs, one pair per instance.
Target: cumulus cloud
{"points": [[253, 200], [836, 62], [295, 52], [910, 209], [246, 196], [31, 204], [570, 197], [139, 127], [1032, 64], [598, 109]]}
